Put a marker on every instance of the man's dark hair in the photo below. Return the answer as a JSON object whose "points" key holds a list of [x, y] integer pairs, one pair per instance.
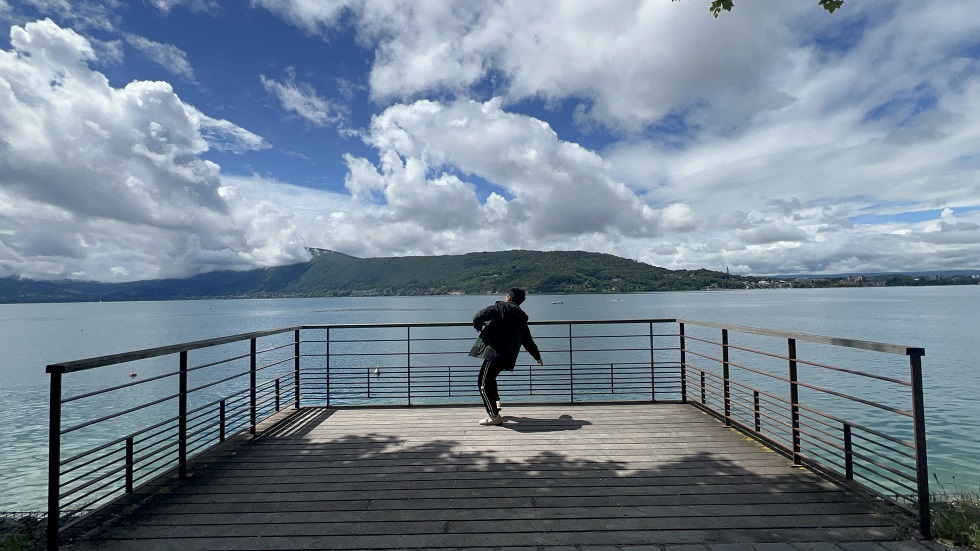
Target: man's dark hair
{"points": [[516, 295]]}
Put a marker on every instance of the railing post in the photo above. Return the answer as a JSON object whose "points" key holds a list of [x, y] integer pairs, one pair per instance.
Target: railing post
{"points": [[921, 466], [408, 361], [757, 408], [221, 421], [182, 418], [367, 376], [296, 367], [571, 368], [683, 364], [54, 458], [277, 394], [530, 379], [327, 357], [130, 461], [727, 374], [653, 370], [794, 398], [704, 389], [848, 453], [252, 398]]}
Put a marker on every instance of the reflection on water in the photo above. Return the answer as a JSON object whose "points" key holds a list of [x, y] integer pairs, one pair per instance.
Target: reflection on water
{"points": [[940, 319]]}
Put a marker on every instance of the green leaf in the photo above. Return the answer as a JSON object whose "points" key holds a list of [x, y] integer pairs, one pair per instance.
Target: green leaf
{"points": [[718, 5], [831, 5]]}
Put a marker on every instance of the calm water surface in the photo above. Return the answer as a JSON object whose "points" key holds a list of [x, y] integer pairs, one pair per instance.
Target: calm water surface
{"points": [[940, 319]]}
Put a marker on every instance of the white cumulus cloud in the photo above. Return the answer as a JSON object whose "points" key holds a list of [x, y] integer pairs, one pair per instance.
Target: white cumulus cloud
{"points": [[109, 183], [544, 188]]}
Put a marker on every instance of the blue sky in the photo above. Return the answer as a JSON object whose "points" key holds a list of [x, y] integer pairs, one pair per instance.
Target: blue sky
{"points": [[164, 138]]}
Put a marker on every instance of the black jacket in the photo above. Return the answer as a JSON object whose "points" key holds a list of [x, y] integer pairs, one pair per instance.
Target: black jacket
{"points": [[503, 330]]}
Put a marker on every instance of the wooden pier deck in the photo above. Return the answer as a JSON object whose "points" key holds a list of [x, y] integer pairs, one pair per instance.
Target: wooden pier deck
{"points": [[431, 478]]}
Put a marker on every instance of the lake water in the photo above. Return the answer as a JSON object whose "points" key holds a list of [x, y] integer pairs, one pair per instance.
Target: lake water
{"points": [[940, 319]]}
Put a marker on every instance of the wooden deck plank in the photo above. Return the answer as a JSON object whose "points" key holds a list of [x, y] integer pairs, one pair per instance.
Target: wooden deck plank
{"points": [[233, 541], [410, 502], [552, 475], [512, 511]]}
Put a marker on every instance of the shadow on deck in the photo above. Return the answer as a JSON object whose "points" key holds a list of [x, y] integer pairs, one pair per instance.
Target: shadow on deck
{"points": [[430, 477]]}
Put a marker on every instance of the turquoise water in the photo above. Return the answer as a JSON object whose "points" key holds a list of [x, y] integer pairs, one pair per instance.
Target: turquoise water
{"points": [[940, 319]]}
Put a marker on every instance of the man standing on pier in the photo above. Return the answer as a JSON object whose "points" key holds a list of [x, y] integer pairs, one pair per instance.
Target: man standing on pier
{"points": [[503, 330]]}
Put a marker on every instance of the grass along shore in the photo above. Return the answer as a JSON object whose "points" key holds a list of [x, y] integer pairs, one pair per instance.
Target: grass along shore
{"points": [[956, 517], [22, 531]]}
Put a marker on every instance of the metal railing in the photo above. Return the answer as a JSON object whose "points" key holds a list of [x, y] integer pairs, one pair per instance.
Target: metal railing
{"points": [[838, 406], [107, 440]]}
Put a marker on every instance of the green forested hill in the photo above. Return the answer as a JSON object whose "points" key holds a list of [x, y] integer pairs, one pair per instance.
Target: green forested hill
{"points": [[492, 272], [331, 273]]}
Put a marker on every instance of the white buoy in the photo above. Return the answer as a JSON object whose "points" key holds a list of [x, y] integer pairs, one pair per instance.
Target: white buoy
{"points": [[377, 371]]}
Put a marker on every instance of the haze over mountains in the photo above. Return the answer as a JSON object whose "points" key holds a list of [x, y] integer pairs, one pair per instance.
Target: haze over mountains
{"points": [[329, 273]]}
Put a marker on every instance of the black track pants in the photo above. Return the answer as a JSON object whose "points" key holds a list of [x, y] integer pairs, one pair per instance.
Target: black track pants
{"points": [[488, 384]]}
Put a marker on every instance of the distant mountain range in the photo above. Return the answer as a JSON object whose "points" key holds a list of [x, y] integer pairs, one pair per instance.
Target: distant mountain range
{"points": [[329, 273]]}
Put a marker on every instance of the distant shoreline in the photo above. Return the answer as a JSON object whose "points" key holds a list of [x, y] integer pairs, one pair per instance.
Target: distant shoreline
{"points": [[332, 274]]}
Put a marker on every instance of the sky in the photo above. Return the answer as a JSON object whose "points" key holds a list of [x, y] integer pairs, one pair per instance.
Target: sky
{"points": [[146, 139]]}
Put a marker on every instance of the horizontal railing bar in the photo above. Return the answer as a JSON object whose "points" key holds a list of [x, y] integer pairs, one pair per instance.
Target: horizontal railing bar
{"points": [[868, 403], [218, 382], [112, 359], [905, 453], [146, 453], [740, 366], [201, 412], [206, 421], [235, 397], [774, 419], [93, 460], [857, 373], [86, 474], [104, 475], [222, 361], [118, 414], [146, 444], [118, 387], [834, 341], [804, 361], [149, 470], [202, 447], [813, 438], [832, 430], [813, 445], [901, 483], [895, 460], [191, 435], [342, 326], [796, 359], [116, 441], [275, 363], [803, 385], [81, 497]]}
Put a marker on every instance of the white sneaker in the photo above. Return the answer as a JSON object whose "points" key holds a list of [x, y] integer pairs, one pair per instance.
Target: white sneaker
{"points": [[496, 420], [499, 407]]}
